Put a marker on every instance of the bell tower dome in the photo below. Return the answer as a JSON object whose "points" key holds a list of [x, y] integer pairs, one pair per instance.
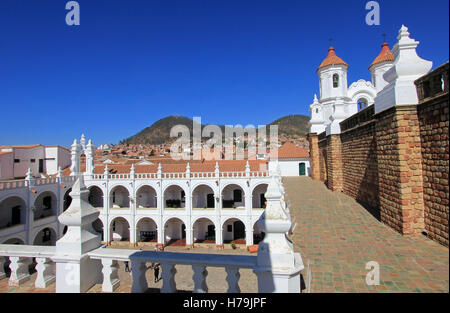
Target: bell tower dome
{"points": [[332, 76], [380, 65]]}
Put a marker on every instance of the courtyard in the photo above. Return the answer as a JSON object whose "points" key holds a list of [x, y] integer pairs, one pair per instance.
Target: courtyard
{"points": [[336, 237]]}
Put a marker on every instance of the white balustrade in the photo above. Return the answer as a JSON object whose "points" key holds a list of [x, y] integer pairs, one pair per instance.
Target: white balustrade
{"points": [[20, 271], [45, 272]]}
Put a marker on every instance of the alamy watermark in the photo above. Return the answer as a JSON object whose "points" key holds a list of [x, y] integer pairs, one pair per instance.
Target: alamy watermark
{"points": [[373, 276], [232, 146], [73, 16], [373, 16]]}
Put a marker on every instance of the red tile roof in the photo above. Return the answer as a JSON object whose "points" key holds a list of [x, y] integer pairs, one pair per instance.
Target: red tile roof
{"points": [[180, 167], [332, 59], [385, 55], [290, 151]]}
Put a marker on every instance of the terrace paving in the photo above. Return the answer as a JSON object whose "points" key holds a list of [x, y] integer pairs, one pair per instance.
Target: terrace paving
{"points": [[338, 237]]}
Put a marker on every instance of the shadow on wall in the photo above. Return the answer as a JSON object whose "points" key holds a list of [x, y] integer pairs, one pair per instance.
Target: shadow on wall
{"points": [[368, 193]]}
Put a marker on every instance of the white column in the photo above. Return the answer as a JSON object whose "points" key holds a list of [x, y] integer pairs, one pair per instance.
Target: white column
{"points": [[219, 239], [19, 270], [189, 236], [45, 272], [249, 236], [233, 277], [168, 277], [199, 277], [138, 269], [110, 275]]}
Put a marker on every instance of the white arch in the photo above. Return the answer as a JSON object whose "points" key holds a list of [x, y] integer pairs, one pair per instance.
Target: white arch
{"points": [[10, 195], [148, 218], [174, 184], [237, 183], [213, 220], [211, 185], [41, 228]]}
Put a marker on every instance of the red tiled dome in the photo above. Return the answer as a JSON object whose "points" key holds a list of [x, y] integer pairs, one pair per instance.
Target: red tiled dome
{"points": [[385, 55], [332, 59]]}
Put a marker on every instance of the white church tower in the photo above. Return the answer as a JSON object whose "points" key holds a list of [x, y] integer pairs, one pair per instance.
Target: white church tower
{"points": [[382, 63]]}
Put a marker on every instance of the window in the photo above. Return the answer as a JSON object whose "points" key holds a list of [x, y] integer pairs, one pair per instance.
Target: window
{"points": [[317, 110], [362, 104], [335, 80], [229, 228], [16, 161], [33, 160], [47, 235], [237, 195], [47, 203]]}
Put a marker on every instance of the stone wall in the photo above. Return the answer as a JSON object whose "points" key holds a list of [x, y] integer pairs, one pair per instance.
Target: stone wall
{"points": [[396, 162], [322, 148], [359, 159], [433, 113], [400, 169]]}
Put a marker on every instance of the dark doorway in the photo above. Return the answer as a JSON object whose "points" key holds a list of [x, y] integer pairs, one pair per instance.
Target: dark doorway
{"points": [[15, 215], [239, 230], [211, 235], [302, 169], [237, 195], [263, 200], [41, 165], [210, 200], [183, 231]]}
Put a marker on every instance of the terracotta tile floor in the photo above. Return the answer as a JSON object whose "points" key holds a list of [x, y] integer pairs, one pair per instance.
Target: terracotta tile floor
{"points": [[338, 237]]}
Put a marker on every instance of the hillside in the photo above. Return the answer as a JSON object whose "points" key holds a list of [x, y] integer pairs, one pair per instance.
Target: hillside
{"points": [[159, 132]]}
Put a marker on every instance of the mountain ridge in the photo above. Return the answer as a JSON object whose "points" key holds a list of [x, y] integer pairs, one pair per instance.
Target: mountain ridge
{"points": [[159, 131]]}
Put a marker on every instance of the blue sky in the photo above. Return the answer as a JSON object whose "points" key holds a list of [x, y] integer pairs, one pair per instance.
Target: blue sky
{"points": [[132, 62]]}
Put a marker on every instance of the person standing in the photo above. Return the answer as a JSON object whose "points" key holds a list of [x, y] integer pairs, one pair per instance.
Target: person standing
{"points": [[156, 272], [127, 267]]}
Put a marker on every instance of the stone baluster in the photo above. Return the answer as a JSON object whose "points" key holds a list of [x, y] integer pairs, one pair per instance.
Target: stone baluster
{"points": [[233, 277], [200, 273], [45, 272], [2, 267], [168, 277], [110, 275], [138, 269], [19, 270]]}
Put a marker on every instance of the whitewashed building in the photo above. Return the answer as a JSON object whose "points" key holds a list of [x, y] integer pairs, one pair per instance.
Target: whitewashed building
{"points": [[291, 159], [41, 160], [338, 101], [204, 201]]}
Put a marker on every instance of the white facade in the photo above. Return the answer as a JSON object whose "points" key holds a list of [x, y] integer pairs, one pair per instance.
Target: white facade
{"points": [[291, 167], [165, 206], [40, 159], [338, 101]]}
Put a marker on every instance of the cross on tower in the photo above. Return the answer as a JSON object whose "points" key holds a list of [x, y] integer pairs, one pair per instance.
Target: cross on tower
{"points": [[331, 41], [384, 37]]}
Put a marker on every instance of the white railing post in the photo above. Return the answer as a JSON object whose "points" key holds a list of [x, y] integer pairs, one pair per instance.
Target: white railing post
{"points": [[200, 273], [20, 272], [278, 267], [168, 277], [45, 272], [110, 275], [75, 271], [233, 277], [138, 269], [2, 267]]}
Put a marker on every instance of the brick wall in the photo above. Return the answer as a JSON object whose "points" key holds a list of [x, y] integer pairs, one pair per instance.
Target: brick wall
{"points": [[313, 140], [433, 113], [400, 169], [359, 159], [323, 158], [396, 162], [334, 163]]}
